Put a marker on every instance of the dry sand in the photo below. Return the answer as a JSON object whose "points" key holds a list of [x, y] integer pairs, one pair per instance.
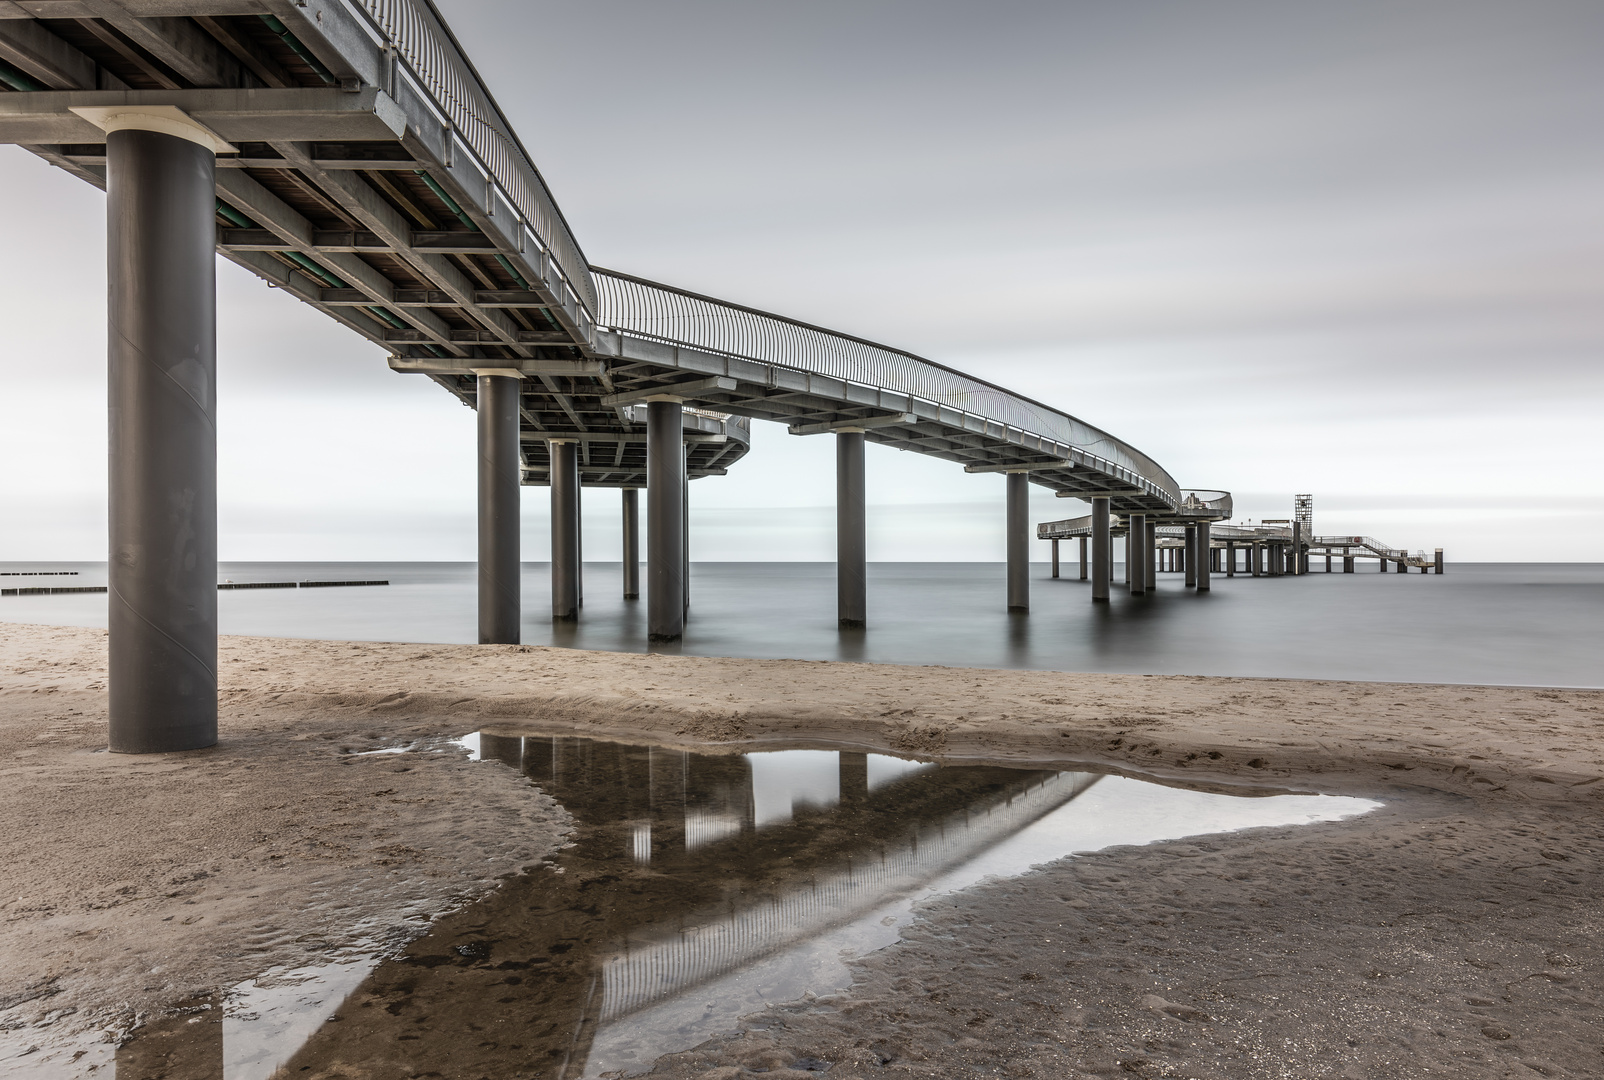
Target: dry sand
{"points": [[1453, 933]]}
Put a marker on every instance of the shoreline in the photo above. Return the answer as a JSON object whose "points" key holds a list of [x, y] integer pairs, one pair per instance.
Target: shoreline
{"points": [[286, 821]]}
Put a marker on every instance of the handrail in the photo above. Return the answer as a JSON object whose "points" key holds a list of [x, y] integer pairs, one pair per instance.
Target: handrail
{"points": [[677, 316], [420, 37]]}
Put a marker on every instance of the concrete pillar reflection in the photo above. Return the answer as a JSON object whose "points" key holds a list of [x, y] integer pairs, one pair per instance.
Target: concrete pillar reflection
{"points": [[854, 776], [162, 396]]}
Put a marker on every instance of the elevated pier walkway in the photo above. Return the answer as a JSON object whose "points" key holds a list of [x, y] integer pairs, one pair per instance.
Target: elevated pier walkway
{"points": [[349, 153]]}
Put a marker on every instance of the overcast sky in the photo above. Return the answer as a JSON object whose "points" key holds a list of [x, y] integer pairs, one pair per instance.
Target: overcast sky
{"points": [[1350, 249]]}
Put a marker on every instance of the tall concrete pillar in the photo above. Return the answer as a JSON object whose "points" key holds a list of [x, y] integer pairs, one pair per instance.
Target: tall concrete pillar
{"points": [[685, 526], [665, 520], [1018, 514], [1204, 555], [1083, 558], [631, 498], [1403, 566], [1150, 559], [500, 585], [1102, 549], [1438, 560], [1055, 558], [1136, 553], [1191, 556], [564, 529], [851, 531], [161, 388], [1230, 559]]}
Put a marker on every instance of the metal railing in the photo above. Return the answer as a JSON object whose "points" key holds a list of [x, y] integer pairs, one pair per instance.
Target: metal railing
{"points": [[675, 316], [420, 38], [1369, 542], [1207, 503]]}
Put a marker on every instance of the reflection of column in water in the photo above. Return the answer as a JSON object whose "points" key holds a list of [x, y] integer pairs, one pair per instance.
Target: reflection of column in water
{"points": [[854, 776], [718, 798], [175, 1047], [668, 772], [507, 749]]}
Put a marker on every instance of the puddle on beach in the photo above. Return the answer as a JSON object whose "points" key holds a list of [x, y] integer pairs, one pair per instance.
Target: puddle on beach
{"points": [[698, 888]]}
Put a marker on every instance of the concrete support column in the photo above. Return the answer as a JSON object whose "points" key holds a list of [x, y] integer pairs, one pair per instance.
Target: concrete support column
{"points": [[1438, 560], [1191, 556], [1083, 558], [1204, 555], [1018, 541], [564, 529], [1403, 567], [665, 520], [500, 582], [161, 360], [1055, 558], [851, 531], [1150, 558], [1102, 549], [685, 525], [1230, 559], [1136, 553], [631, 498]]}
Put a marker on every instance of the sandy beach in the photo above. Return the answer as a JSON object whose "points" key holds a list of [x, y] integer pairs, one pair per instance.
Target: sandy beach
{"points": [[1452, 933]]}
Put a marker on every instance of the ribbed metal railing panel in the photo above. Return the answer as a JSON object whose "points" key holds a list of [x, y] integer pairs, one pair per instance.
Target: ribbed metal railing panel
{"points": [[677, 317], [419, 39], [721, 943]]}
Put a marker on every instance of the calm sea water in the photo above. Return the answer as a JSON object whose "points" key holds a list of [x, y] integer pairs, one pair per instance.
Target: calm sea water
{"points": [[1511, 623]]}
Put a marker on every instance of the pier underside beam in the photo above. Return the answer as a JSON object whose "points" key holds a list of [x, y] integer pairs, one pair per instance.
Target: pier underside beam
{"points": [[500, 586], [851, 531], [1018, 541], [665, 521], [162, 367]]}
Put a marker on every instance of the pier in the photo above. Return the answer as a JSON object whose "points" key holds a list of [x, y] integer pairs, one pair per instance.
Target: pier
{"points": [[349, 154]]}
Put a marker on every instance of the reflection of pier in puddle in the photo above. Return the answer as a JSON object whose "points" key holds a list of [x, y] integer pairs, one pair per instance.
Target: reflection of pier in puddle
{"points": [[702, 887], [699, 887]]}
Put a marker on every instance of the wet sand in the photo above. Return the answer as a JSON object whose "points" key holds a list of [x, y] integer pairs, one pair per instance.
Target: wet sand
{"points": [[1454, 932]]}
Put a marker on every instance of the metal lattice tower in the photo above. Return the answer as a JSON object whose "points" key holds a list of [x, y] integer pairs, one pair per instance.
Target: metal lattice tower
{"points": [[1303, 514]]}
